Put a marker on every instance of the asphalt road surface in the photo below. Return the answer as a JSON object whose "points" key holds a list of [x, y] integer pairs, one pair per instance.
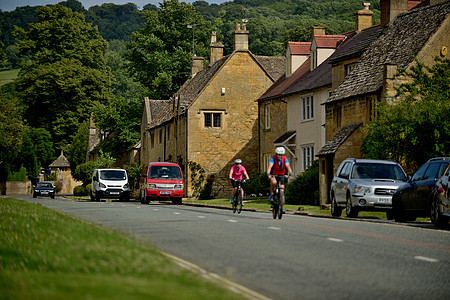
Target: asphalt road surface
{"points": [[298, 257]]}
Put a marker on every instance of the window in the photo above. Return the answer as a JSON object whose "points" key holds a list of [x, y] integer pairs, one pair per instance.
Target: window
{"points": [[349, 68], [152, 139], [308, 156], [345, 171], [338, 115], [212, 119], [307, 108], [266, 161], [267, 116]]}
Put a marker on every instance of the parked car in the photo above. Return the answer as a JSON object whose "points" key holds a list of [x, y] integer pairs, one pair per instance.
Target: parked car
{"points": [[44, 189], [365, 185], [440, 205], [413, 199], [110, 183], [162, 181]]}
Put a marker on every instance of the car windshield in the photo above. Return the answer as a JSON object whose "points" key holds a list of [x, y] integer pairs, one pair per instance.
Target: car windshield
{"points": [[166, 172], [378, 171], [113, 175], [44, 185]]}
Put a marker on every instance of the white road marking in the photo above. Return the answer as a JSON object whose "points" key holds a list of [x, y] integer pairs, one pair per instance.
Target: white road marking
{"points": [[176, 213], [201, 217], [275, 228], [428, 259], [155, 209], [232, 221], [335, 240]]}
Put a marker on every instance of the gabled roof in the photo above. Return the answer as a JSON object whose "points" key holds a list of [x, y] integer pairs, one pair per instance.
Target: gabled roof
{"points": [[398, 45], [332, 145], [328, 41], [278, 88], [356, 45], [165, 114], [274, 66], [60, 162], [299, 48]]}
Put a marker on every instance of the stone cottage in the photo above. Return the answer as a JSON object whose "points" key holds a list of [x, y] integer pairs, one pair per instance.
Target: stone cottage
{"points": [[421, 33], [61, 168], [212, 119]]}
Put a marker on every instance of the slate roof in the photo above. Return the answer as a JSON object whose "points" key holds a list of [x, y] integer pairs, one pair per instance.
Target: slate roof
{"points": [[165, 114], [278, 88], [332, 145], [398, 45], [60, 162], [299, 48]]}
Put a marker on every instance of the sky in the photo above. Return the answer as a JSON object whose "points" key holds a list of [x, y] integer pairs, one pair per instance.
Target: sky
{"points": [[9, 5]]}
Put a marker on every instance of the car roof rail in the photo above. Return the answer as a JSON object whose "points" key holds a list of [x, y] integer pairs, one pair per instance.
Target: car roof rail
{"points": [[438, 158]]}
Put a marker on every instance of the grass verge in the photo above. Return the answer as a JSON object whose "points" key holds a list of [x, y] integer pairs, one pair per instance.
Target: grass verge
{"points": [[8, 76], [48, 255]]}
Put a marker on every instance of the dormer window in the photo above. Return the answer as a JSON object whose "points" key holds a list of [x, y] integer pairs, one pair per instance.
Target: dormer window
{"points": [[349, 68]]}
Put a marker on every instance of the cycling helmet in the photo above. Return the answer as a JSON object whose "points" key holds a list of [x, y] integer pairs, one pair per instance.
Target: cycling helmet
{"points": [[238, 161], [280, 150]]}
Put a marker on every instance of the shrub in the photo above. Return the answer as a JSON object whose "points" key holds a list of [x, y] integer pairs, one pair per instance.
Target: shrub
{"points": [[80, 191], [88, 188], [259, 185], [304, 189]]}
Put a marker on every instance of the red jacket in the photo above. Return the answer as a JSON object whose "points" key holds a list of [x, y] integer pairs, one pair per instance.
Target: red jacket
{"points": [[276, 168]]}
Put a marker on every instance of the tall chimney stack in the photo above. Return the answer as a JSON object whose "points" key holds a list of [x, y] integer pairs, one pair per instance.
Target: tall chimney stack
{"points": [[196, 65], [390, 9], [240, 37], [363, 18], [215, 48]]}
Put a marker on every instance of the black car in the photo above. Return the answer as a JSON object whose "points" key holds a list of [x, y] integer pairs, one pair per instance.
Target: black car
{"points": [[44, 189], [440, 207], [413, 199]]}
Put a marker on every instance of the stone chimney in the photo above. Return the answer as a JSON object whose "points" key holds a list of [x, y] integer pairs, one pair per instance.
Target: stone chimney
{"points": [[196, 64], [315, 30], [240, 37], [215, 48], [390, 9], [363, 18]]}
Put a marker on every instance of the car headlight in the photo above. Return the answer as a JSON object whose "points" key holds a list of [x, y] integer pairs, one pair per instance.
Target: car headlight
{"points": [[101, 185], [151, 186], [360, 189], [178, 187]]}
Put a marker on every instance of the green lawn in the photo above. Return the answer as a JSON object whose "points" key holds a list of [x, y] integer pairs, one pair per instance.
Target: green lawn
{"points": [[48, 255], [8, 76]]}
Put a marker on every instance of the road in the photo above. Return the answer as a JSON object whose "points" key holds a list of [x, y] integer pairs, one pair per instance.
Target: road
{"points": [[298, 257]]}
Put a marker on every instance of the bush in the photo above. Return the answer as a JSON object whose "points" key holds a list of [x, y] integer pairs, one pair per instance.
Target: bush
{"points": [[259, 185], [80, 191], [304, 189], [88, 188]]}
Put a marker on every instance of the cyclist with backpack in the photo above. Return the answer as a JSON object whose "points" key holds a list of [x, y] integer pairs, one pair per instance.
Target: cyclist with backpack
{"points": [[279, 166], [237, 171]]}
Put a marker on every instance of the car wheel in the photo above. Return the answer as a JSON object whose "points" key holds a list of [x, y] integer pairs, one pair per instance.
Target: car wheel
{"points": [[52, 196], [351, 211], [436, 217], [389, 215], [177, 201], [336, 211], [97, 198], [92, 197]]}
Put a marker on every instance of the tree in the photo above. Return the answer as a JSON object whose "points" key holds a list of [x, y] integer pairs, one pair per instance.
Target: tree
{"points": [[66, 75], [160, 54], [76, 151], [12, 130], [83, 172], [416, 126], [36, 151]]}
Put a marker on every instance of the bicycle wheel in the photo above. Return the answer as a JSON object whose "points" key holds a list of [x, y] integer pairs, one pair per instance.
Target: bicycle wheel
{"points": [[275, 206], [280, 207], [235, 203], [239, 202]]}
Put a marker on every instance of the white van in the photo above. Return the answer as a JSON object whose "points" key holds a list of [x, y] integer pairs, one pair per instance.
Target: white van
{"points": [[110, 183]]}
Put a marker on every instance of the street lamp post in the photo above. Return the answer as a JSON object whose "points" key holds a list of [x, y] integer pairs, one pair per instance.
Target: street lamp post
{"points": [[192, 26]]}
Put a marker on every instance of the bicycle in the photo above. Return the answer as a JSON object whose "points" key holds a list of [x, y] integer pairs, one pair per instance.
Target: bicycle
{"points": [[278, 198], [237, 202]]}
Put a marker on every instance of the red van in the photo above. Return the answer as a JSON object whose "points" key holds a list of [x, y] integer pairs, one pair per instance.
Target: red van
{"points": [[162, 181]]}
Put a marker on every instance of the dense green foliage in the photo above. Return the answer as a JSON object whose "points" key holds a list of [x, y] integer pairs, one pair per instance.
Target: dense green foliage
{"points": [[304, 189], [66, 74], [415, 127], [37, 150], [83, 172], [164, 47], [259, 185]]}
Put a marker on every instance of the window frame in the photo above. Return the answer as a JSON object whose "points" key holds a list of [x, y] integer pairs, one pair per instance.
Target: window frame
{"points": [[307, 156], [307, 108]]}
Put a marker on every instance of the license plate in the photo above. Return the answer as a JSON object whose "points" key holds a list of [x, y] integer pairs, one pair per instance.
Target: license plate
{"points": [[114, 193], [384, 200], [165, 192]]}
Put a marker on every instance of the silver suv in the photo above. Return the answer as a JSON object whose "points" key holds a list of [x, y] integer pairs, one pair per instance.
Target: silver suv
{"points": [[365, 184]]}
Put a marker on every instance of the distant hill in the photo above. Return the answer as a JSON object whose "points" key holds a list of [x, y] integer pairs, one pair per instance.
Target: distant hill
{"points": [[271, 23]]}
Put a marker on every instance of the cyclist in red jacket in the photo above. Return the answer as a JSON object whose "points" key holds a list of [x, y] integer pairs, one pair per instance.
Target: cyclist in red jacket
{"points": [[278, 165]]}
